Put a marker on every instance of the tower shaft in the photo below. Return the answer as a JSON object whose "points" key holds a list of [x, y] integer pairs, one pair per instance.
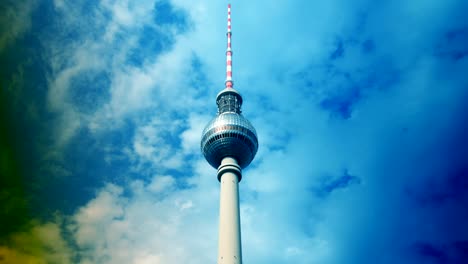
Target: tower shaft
{"points": [[229, 247]]}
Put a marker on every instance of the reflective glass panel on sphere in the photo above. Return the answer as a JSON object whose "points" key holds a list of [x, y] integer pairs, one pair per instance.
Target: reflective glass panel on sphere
{"points": [[229, 135]]}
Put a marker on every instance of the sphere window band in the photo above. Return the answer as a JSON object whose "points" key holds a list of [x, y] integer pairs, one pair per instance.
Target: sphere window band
{"points": [[228, 121], [227, 131], [231, 135], [232, 131]]}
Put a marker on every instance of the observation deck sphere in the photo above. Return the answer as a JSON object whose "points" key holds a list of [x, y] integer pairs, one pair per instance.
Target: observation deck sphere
{"points": [[229, 135]]}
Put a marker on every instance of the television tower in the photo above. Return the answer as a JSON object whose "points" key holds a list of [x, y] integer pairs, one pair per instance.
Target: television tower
{"points": [[229, 143]]}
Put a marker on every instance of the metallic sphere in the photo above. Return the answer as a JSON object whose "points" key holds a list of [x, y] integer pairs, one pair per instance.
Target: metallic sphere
{"points": [[229, 135]]}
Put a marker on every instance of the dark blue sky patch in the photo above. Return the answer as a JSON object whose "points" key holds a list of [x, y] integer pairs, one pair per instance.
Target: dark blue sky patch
{"points": [[460, 250], [448, 184], [42, 17], [198, 78], [265, 102], [339, 88], [430, 252], [305, 77], [282, 141], [339, 50], [69, 181], [93, 160], [318, 78], [84, 158], [151, 43], [454, 45], [113, 145], [341, 105], [166, 14], [182, 174], [368, 46], [455, 252], [248, 195], [382, 76], [89, 90], [330, 184], [48, 23], [452, 188]]}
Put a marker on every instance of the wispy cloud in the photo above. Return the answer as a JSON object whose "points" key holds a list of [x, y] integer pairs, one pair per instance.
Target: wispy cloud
{"points": [[120, 218]]}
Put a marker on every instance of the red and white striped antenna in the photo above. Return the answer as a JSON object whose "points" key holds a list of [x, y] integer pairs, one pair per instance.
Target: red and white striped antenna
{"points": [[229, 82]]}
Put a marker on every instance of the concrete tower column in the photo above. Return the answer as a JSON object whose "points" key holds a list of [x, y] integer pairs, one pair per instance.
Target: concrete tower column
{"points": [[229, 143], [230, 250]]}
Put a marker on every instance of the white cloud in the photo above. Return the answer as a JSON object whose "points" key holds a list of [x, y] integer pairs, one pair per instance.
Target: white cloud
{"points": [[132, 89], [146, 226], [162, 183], [191, 137], [154, 143]]}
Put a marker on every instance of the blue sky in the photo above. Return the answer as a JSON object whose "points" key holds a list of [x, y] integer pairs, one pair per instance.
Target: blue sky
{"points": [[360, 110]]}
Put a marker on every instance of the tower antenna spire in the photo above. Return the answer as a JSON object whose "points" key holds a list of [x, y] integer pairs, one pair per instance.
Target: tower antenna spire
{"points": [[229, 83]]}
